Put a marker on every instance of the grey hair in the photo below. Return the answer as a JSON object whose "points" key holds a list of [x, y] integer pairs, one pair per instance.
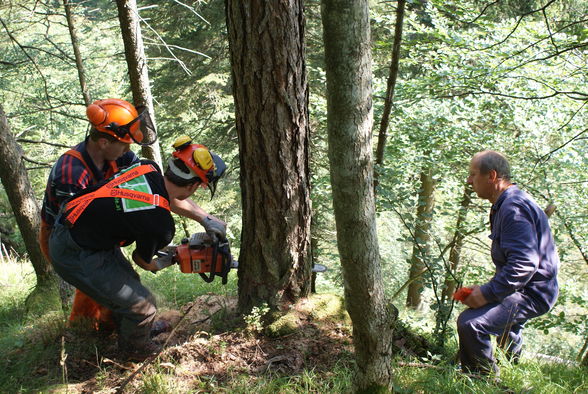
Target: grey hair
{"points": [[490, 160]]}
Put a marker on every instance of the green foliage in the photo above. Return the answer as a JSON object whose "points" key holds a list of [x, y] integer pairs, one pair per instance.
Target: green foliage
{"points": [[254, 319]]}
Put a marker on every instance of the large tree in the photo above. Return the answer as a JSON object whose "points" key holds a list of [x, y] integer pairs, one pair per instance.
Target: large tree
{"points": [[346, 33], [22, 199], [271, 113]]}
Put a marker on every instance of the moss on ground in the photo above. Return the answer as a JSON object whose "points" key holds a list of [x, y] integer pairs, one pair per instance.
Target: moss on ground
{"points": [[317, 307]]}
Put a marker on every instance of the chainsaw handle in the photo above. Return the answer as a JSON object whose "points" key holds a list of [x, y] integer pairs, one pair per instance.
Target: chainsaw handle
{"points": [[210, 278], [207, 279]]}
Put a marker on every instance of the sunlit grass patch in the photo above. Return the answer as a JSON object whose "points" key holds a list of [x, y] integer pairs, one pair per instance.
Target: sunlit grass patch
{"points": [[16, 282], [174, 288], [338, 380]]}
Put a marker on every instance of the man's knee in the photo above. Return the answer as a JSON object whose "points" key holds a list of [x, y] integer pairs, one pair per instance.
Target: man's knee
{"points": [[465, 323], [146, 307]]}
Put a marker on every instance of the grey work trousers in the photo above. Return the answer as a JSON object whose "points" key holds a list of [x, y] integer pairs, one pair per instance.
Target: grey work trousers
{"points": [[505, 320], [109, 278]]}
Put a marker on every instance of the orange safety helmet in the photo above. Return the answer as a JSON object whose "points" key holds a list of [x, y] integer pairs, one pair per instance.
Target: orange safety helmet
{"points": [[208, 167], [116, 117]]}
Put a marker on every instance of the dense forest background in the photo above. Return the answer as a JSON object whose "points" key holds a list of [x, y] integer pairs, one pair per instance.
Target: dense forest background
{"points": [[472, 75]]}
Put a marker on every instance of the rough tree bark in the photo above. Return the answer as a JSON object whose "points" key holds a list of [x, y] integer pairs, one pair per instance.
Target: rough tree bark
{"points": [[271, 114], [346, 33], [26, 211], [392, 76], [420, 250], [76, 48], [128, 16]]}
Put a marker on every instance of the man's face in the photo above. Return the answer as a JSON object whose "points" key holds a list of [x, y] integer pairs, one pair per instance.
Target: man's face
{"points": [[188, 190], [480, 182], [114, 150]]}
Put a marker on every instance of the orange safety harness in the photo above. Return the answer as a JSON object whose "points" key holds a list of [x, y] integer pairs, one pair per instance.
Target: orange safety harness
{"points": [[78, 205]]}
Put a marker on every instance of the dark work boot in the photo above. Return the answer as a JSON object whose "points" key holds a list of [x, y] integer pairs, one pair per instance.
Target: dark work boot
{"points": [[158, 327], [139, 352]]}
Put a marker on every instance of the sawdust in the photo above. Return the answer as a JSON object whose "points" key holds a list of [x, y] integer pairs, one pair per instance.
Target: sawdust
{"points": [[208, 343]]}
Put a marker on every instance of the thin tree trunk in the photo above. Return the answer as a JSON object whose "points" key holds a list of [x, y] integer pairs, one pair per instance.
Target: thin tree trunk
{"points": [[420, 250], [458, 240], [76, 48], [582, 248], [138, 72], [22, 199], [271, 113], [582, 356], [346, 33], [393, 75], [445, 305]]}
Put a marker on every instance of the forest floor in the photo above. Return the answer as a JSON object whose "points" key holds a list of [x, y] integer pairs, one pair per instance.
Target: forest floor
{"points": [[195, 351], [210, 349]]}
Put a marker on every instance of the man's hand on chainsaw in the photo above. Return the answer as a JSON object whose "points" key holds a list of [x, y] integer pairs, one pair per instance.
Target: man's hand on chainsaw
{"points": [[163, 261], [215, 228]]}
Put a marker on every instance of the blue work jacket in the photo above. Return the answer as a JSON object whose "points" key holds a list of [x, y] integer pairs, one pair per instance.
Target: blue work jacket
{"points": [[523, 250]]}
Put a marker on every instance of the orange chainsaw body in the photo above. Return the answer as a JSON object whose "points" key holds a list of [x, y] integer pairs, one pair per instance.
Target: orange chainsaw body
{"points": [[198, 260]]}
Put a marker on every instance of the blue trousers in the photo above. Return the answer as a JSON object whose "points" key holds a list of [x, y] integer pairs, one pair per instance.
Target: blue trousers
{"points": [[109, 278], [505, 320]]}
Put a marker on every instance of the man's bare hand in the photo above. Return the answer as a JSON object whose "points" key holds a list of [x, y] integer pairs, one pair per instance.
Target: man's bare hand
{"points": [[476, 299]]}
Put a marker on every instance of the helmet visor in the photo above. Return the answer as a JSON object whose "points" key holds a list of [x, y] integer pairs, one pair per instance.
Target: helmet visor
{"points": [[215, 174], [144, 134]]}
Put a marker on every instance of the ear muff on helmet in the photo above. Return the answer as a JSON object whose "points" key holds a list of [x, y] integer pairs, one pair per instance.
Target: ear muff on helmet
{"points": [[203, 164], [203, 158], [120, 119]]}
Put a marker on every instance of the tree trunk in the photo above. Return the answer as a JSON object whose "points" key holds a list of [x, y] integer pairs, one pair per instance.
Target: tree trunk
{"points": [[458, 239], [422, 236], [128, 16], [349, 120], [271, 114], [26, 211], [76, 48], [390, 86], [445, 304]]}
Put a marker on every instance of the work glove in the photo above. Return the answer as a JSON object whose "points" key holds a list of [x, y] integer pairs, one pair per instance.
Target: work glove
{"points": [[214, 228]]}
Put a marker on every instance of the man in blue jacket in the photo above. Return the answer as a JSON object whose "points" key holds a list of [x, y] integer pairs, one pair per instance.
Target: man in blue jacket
{"points": [[524, 253]]}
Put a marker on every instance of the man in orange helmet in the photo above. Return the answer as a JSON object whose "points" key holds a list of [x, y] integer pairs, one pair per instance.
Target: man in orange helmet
{"points": [[103, 152], [115, 124], [132, 207]]}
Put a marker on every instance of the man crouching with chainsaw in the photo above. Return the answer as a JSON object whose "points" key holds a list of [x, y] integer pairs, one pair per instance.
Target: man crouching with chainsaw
{"points": [[133, 206]]}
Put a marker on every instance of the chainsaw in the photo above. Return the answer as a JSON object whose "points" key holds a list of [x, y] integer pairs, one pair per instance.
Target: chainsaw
{"points": [[199, 254]]}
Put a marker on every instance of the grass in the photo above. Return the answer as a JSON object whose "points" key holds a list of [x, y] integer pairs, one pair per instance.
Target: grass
{"points": [[173, 288], [16, 282], [530, 376], [31, 351]]}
